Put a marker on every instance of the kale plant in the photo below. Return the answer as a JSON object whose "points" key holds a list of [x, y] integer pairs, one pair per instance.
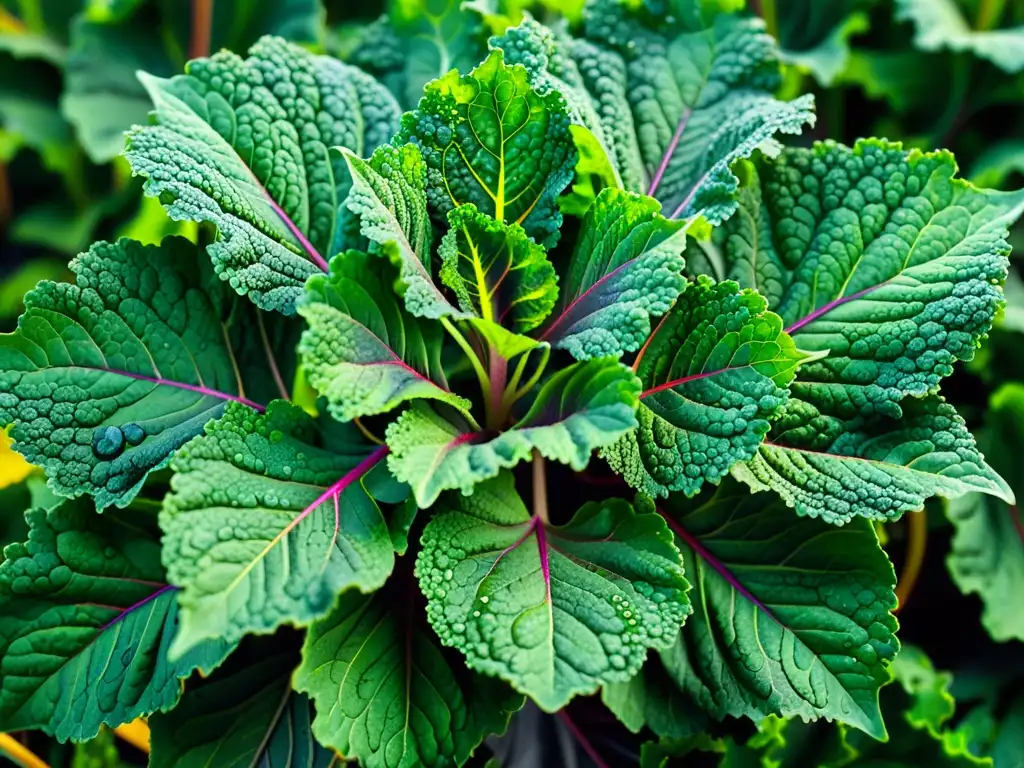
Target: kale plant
{"points": [[303, 468]]}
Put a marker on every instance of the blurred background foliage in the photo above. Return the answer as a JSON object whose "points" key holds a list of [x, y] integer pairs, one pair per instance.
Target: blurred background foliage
{"points": [[931, 73]]}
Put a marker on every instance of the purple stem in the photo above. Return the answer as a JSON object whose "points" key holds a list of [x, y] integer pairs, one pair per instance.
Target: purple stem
{"points": [[542, 546], [583, 740], [829, 307], [561, 317], [308, 246], [711, 560], [142, 602], [667, 157], [189, 387]]}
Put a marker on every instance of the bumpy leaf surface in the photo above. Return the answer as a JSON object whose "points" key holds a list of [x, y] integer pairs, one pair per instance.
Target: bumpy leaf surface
{"points": [[88, 619], [106, 378], [497, 272], [714, 374], [385, 692], [699, 83], [579, 409], [246, 714], [626, 269], [490, 139], [363, 351], [792, 616], [555, 610], [389, 198], [879, 471], [243, 144], [268, 520]]}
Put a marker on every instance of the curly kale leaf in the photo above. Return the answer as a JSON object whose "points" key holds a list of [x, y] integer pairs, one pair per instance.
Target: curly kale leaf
{"points": [[106, 378], [555, 610], [243, 144]]}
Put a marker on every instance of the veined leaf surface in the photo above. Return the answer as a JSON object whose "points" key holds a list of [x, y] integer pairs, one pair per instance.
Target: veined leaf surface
{"points": [[555, 610]]}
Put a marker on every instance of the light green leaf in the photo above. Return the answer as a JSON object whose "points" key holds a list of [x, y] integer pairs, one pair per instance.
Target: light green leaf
{"points": [[88, 621], [498, 273], [878, 255], [389, 198], [699, 83], [555, 610], [106, 378], [385, 692], [996, 164], [626, 269], [929, 689], [237, 145], [103, 98], [489, 139], [940, 24], [246, 714], [878, 471], [815, 36], [578, 410], [268, 520], [792, 616], [714, 374], [363, 351]]}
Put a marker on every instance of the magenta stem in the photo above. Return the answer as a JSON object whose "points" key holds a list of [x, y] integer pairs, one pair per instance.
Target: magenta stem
{"points": [[669, 150], [190, 387]]}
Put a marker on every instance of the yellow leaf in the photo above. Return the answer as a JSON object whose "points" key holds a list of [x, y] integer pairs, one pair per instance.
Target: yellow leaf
{"points": [[13, 468], [135, 733]]}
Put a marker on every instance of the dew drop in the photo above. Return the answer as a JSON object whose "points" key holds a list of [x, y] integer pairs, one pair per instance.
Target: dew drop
{"points": [[107, 442], [484, 599], [133, 433]]}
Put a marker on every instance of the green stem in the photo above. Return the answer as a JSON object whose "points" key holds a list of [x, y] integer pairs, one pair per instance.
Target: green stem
{"points": [[515, 394], [989, 12], [471, 355]]}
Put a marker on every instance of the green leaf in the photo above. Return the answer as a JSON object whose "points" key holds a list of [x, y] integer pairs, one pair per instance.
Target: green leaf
{"points": [[792, 616], [625, 270], [652, 699], [389, 198], [714, 374], [497, 272], [579, 409], [237, 145], [363, 351], [88, 621], [929, 690], [246, 714], [106, 378], [940, 24], [700, 88], [815, 36], [268, 520], [555, 610], [489, 139], [385, 692], [878, 255], [103, 98], [878, 471]]}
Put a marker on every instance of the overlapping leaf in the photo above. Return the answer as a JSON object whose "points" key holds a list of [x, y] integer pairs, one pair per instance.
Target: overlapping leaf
{"points": [[578, 410], [243, 144], [625, 270], [88, 620], [940, 24], [106, 378], [490, 139], [555, 610], [714, 374], [792, 616], [385, 692], [363, 351], [268, 520]]}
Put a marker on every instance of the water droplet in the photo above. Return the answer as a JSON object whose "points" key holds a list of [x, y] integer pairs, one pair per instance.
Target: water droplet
{"points": [[484, 599], [133, 433], [108, 442]]}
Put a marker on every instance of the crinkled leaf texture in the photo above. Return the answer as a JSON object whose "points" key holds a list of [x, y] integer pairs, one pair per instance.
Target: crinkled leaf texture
{"points": [[88, 620], [625, 270], [389, 199], [578, 410], [792, 616], [106, 378], [714, 374], [555, 610], [490, 139], [940, 24], [245, 714], [386, 694], [243, 144], [698, 83], [363, 351], [498, 273], [269, 518], [891, 265]]}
